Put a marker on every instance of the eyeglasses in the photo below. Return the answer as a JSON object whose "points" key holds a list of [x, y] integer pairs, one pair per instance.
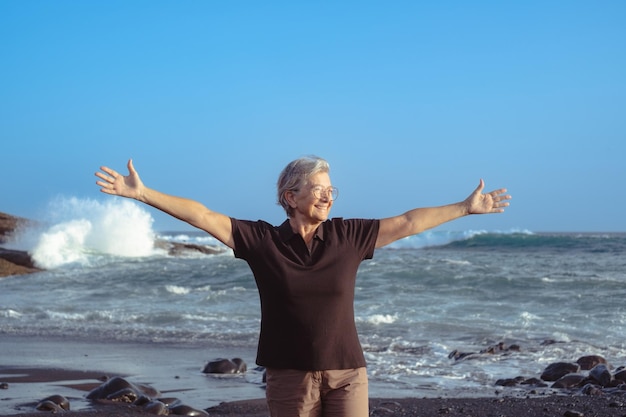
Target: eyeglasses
{"points": [[320, 192]]}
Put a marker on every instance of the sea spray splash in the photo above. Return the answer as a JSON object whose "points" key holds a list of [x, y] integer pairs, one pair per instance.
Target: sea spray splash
{"points": [[61, 244], [78, 228]]}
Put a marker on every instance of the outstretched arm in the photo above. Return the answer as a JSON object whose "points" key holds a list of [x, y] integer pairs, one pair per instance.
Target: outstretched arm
{"points": [[189, 211], [421, 219]]}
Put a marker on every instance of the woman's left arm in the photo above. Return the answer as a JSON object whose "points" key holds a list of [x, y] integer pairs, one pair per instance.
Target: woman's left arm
{"points": [[420, 219]]}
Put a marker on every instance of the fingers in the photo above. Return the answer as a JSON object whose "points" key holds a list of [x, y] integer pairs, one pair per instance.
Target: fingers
{"points": [[107, 185], [497, 192], [499, 195], [107, 191], [112, 174], [499, 202], [107, 180], [104, 177]]}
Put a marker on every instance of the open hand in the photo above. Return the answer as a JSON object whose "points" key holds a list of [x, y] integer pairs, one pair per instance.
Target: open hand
{"points": [[492, 202], [112, 182]]}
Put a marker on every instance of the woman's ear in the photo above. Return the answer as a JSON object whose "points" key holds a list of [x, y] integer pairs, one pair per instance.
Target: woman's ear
{"points": [[290, 198]]}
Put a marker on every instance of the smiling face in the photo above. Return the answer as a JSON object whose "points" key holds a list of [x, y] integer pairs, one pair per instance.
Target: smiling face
{"points": [[306, 206]]}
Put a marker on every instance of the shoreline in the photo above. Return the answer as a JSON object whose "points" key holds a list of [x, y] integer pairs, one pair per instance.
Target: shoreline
{"points": [[502, 406], [35, 368], [47, 379]]}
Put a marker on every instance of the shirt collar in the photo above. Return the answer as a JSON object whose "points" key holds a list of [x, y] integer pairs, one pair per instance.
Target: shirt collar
{"points": [[286, 232]]}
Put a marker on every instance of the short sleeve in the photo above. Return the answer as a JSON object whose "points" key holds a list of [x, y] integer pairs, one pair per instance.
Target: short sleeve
{"points": [[360, 233], [247, 235]]}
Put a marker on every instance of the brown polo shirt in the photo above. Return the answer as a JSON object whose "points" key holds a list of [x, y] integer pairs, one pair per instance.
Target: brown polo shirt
{"points": [[307, 298]]}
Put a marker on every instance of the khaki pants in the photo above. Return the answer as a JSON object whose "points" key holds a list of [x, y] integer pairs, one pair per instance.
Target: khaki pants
{"points": [[334, 393]]}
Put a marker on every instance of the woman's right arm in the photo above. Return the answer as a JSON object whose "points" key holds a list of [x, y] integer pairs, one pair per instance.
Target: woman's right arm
{"points": [[189, 211]]}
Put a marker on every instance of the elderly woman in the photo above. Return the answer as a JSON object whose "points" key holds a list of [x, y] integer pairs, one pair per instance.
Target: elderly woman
{"points": [[305, 271]]}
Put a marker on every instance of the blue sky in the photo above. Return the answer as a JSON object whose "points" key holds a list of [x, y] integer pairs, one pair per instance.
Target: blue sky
{"points": [[411, 102]]}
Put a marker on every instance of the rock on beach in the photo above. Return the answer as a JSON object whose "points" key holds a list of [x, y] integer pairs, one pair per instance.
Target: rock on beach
{"points": [[13, 262]]}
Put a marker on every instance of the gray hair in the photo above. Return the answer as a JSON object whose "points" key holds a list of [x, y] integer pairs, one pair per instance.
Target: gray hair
{"points": [[296, 174]]}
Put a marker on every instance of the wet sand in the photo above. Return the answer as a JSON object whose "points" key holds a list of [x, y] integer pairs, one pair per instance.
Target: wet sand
{"points": [[30, 385], [567, 406]]}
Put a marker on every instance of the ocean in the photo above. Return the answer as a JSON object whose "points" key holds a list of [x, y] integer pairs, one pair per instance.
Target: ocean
{"points": [[555, 296]]}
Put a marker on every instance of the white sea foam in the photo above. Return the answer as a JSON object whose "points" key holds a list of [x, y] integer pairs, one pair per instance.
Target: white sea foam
{"points": [[61, 244], [382, 318], [10, 313], [203, 239], [456, 262], [78, 228], [528, 318], [178, 290]]}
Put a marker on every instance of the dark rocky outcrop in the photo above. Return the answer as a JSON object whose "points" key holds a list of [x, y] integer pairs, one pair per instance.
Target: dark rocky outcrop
{"points": [[54, 404], [13, 262], [557, 370], [497, 349], [225, 366], [144, 397], [589, 361], [572, 378]]}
